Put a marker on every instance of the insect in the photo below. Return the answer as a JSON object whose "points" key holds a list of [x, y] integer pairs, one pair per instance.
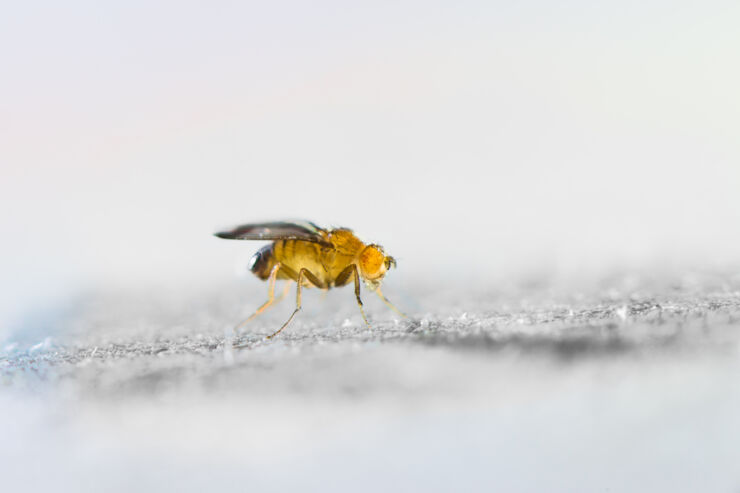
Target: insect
{"points": [[303, 252]]}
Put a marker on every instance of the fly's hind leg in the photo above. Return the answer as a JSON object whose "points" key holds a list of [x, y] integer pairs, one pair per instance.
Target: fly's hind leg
{"points": [[302, 274], [270, 297]]}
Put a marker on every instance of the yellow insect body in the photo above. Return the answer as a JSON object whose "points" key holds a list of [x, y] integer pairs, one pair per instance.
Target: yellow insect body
{"points": [[312, 256]]}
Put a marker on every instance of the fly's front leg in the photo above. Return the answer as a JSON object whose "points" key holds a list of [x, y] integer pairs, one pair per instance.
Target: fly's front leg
{"points": [[390, 305], [270, 297], [302, 274]]}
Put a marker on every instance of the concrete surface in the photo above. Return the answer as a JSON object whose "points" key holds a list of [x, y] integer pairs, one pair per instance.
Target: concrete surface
{"points": [[626, 384]]}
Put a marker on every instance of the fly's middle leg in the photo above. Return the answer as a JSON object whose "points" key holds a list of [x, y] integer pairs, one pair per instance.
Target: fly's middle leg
{"points": [[343, 278], [356, 275]]}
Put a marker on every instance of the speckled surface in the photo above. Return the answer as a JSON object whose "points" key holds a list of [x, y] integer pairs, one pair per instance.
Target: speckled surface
{"points": [[622, 385]]}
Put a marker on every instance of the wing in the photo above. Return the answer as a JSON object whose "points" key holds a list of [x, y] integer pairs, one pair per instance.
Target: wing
{"points": [[279, 230]]}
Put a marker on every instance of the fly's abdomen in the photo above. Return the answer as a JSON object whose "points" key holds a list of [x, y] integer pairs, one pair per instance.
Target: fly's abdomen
{"points": [[296, 255], [261, 262]]}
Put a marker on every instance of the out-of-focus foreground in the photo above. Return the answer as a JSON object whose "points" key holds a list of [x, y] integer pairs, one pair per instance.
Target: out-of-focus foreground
{"points": [[628, 385]]}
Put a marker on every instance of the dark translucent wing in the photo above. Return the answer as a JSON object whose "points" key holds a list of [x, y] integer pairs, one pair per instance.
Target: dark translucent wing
{"points": [[280, 230]]}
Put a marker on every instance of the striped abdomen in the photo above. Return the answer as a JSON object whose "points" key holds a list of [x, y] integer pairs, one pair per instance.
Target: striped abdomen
{"points": [[293, 256]]}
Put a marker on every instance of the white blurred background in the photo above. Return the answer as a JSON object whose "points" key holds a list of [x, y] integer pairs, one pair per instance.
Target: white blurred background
{"points": [[470, 138]]}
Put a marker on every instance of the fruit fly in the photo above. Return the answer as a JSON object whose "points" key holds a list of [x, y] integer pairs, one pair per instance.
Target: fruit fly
{"points": [[312, 257]]}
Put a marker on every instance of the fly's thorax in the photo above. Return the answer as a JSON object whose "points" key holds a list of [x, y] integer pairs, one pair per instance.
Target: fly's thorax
{"points": [[345, 242], [262, 261]]}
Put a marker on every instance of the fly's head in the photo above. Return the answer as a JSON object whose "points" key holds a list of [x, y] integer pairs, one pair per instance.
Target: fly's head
{"points": [[373, 264]]}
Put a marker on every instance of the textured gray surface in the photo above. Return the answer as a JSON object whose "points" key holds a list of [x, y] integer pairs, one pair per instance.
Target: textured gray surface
{"points": [[623, 385]]}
